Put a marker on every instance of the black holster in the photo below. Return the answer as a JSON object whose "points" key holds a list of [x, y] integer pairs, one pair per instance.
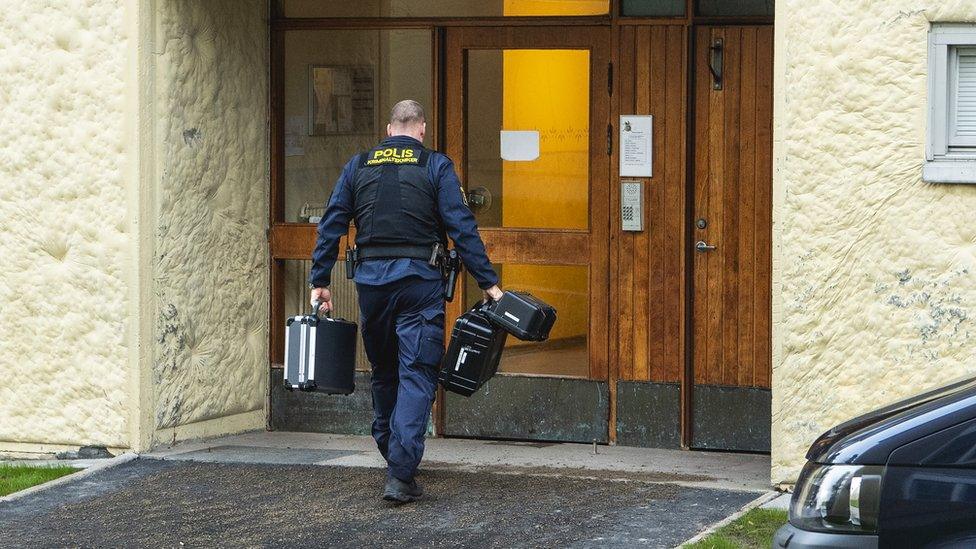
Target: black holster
{"points": [[450, 268], [352, 256]]}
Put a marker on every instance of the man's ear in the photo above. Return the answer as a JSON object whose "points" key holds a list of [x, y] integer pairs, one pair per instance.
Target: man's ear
{"points": [[389, 130], [423, 131]]}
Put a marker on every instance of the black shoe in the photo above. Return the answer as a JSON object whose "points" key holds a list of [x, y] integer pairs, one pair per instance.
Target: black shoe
{"points": [[404, 492]]}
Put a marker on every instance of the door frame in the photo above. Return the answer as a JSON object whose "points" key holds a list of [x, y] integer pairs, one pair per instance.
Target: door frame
{"points": [[542, 246], [291, 241]]}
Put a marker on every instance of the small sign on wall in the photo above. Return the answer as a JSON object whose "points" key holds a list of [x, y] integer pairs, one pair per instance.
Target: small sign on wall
{"points": [[636, 144]]}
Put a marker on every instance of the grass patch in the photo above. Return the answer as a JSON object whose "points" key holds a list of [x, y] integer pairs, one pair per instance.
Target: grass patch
{"points": [[17, 477], [754, 529]]}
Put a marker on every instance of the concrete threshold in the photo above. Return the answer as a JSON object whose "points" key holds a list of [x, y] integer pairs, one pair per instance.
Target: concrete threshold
{"points": [[715, 470]]}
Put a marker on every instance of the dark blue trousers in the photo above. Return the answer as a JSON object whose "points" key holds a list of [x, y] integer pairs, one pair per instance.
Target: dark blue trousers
{"points": [[403, 332]]}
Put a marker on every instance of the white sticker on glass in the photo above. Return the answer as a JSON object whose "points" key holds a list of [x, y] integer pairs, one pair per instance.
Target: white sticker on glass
{"points": [[520, 146]]}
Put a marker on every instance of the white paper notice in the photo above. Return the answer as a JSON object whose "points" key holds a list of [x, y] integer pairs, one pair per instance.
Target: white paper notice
{"points": [[295, 132], [636, 154], [520, 146]]}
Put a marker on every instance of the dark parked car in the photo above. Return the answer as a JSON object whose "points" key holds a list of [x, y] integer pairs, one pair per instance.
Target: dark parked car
{"points": [[901, 476]]}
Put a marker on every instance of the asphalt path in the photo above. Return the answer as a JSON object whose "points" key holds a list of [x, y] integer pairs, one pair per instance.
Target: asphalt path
{"points": [[151, 503]]}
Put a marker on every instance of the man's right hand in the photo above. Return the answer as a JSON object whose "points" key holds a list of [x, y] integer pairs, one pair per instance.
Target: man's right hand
{"points": [[494, 293], [324, 297]]}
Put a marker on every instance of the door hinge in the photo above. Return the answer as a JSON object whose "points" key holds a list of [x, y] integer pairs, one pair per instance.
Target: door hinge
{"points": [[610, 79], [609, 139]]}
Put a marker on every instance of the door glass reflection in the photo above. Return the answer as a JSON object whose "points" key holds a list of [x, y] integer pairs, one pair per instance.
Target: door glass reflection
{"points": [[339, 86], [652, 8], [736, 7], [443, 8], [565, 288]]}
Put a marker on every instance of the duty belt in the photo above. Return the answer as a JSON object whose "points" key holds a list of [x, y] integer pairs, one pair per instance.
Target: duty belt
{"points": [[426, 253], [436, 255]]}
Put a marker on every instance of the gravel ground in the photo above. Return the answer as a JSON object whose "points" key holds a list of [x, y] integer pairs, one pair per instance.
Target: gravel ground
{"points": [[148, 503]]}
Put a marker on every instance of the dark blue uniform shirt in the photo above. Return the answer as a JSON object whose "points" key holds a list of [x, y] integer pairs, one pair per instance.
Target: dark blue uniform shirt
{"points": [[458, 221]]}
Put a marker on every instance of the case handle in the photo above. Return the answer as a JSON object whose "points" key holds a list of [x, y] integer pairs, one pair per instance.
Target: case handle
{"points": [[315, 310]]}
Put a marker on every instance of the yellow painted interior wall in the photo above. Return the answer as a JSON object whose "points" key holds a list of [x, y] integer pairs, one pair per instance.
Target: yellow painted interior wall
{"points": [[557, 7], [548, 91]]}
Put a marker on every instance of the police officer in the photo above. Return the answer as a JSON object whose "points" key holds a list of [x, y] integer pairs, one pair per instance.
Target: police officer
{"points": [[405, 200]]}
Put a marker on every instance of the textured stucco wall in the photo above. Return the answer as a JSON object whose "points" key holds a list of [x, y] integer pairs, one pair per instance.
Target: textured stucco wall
{"points": [[210, 259], [66, 241], [877, 268]]}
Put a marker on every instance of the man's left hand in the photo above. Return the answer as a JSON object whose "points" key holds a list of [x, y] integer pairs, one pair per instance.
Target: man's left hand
{"points": [[494, 293]]}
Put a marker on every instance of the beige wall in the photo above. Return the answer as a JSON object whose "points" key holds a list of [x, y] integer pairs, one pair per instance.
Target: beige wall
{"points": [[133, 209], [875, 271], [209, 207], [67, 273]]}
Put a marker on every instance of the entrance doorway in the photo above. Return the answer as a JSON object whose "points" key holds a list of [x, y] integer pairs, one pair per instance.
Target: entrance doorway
{"points": [[527, 109], [660, 341]]}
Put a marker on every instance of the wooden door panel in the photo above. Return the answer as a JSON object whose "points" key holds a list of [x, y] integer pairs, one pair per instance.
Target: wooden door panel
{"points": [[649, 266], [625, 295], [733, 184]]}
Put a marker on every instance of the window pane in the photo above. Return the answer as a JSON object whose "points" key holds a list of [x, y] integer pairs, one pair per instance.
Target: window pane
{"points": [[443, 8], [565, 288], [652, 8], [344, 298], [735, 7], [339, 88], [528, 137], [962, 106]]}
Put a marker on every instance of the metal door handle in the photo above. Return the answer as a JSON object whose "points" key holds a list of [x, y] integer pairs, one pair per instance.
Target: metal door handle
{"points": [[715, 62], [479, 199], [702, 246]]}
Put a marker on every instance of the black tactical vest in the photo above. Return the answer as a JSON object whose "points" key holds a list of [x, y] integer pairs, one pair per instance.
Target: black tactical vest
{"points": [[395, 200]]}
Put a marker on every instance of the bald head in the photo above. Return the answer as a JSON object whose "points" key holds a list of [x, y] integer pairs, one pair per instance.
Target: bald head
{"points": [[407, 117]]}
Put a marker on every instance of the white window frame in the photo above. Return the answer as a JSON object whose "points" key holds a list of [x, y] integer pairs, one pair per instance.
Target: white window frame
{"points": [[947, 160]]}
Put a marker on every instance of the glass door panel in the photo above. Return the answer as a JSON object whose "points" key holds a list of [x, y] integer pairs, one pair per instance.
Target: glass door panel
{"points": [[444, 8], [339, 87], [528, 137], [529, 108], [566, 288], [724, 8]]}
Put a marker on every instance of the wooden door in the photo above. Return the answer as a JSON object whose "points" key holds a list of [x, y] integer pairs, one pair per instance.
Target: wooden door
{"points": [[732, 237], [648, 292], [527, 111]]}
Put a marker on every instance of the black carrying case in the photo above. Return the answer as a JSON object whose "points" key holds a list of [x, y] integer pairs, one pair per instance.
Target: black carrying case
{"points": [[320, 354], [523, 315], [473, 353]]}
